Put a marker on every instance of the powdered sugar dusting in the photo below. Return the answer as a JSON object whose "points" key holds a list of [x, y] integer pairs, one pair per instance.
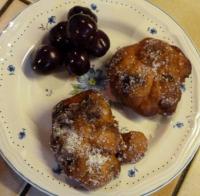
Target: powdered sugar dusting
{"points": [[156, 65], [96, 159], [72, 142]]}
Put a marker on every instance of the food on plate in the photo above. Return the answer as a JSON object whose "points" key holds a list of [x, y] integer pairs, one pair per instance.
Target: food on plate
{"points": [[58, 37], [78, 61], [135, 147], [79, 37], [99, 45], [147, 76], [46, 59], [81, 10], [80, 29], [86, 140]]}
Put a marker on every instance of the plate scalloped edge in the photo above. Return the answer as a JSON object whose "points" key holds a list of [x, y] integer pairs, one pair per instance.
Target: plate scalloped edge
{"points": [[192, 149]]}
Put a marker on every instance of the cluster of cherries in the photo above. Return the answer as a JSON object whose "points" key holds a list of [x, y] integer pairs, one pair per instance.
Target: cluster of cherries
{"points": [[72, 43]]}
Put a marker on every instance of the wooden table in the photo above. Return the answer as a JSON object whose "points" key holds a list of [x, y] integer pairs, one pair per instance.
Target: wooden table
{"points": [[187, 14]]}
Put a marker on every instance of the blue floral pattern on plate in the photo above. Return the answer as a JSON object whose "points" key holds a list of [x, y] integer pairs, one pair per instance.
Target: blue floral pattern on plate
{"points": [[183, 87], [178, 125], [152, 30], [11, 69], [57, 170], [22, 134], [93, 79], [93, 6], [132, 172], [51, 20]]}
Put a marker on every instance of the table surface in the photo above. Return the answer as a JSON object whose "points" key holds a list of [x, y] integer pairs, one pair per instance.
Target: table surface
{"points": [[187, 14]]}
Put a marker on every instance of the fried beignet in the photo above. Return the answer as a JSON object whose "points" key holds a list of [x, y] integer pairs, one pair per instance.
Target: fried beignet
{"points": [[147, 76], [85, 139], [135, 147]]}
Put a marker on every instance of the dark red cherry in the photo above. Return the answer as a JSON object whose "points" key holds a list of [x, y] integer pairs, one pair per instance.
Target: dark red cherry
{"points": [[58, 37], [77, 61], [81, 10], [99, 45], [46, 59], [80, 29]]}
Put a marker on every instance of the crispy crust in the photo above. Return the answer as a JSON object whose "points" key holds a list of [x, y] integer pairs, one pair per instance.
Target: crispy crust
{"points": [[86, 140], [147, 76], [135, 147]]}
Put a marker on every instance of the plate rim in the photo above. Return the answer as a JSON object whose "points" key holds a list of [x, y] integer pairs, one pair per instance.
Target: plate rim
{"points": [[188, 38]]}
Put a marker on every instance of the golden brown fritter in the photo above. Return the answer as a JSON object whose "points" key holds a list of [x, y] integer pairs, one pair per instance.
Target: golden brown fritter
{"points": [[85, 139], [147, 76], [135, 147]]}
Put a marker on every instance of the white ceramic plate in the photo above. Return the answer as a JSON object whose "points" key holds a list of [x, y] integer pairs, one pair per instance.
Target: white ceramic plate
{"points": [[26, 99]]}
